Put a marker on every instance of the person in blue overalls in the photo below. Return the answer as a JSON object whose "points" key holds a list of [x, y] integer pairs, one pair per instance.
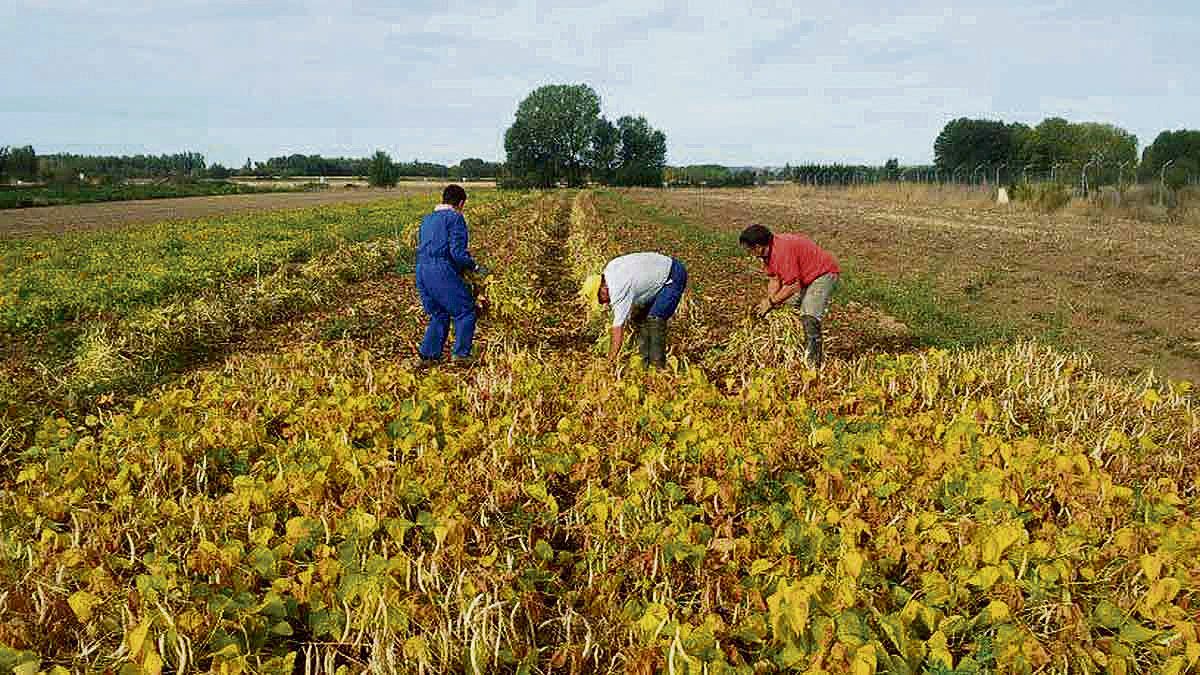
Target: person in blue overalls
{"points": [[442, 258]]}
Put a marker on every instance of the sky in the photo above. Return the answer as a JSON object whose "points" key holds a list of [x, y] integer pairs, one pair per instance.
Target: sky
{"points": [[737, 83]]}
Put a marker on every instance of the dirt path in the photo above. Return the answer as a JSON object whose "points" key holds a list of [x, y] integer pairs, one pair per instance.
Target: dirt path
{"points": [[1127, 290], [76, 217]]}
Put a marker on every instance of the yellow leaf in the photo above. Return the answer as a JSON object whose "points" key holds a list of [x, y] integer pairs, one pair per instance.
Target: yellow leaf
{"points": [[864, 662], [938, 650], [997, 611], [1174, 665], [599, 511], [1163, 590], [986, 577], [416, 649], [940, 535], [821, 436], [1149, 398], [652, 620], [1117, 440], [852, 563], [137, 637], [153, 663], [1151, 566], [999, 539], [81, 603]]}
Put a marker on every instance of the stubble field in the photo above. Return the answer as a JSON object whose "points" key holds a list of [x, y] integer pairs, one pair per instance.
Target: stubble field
{"points": [[1125, 289]]}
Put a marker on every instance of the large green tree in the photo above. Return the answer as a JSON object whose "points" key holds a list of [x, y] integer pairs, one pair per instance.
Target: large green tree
{"points": [[473, 168], [19, 163], [1071, 146], [552, 134], [603, 159], [1054, 143], [1181, 148], [968, 143], [382, 171], [643, 153]]}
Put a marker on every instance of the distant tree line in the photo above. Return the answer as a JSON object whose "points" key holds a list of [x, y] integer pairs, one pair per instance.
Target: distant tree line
{"points": [[23, 163], [1091, 153], [1055, 148], [848, 174], [559, 136], [316, 165], [18, 163], [1176, 151], [180, 164], [710, 175]]}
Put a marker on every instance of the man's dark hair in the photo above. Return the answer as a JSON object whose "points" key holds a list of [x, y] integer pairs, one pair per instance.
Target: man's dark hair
{"points": [[755, 235], [454, 195]]}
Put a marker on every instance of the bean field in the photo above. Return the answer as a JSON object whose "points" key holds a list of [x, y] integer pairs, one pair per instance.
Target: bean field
{"points": [[216, 456]]}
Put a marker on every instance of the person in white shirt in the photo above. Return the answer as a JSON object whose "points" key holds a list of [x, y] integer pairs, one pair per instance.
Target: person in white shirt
{"points": [[635, 285]]}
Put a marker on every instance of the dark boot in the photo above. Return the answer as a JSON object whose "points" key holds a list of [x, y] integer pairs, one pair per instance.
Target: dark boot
{"points": [[812, 340], [644, 342], [657, 329]]}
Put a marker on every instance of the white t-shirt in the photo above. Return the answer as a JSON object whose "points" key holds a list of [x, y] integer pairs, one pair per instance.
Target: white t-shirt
{"points": [[633, 281]]}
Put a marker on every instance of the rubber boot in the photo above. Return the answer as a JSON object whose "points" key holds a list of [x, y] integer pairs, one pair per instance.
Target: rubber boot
{"points": [[657, 329], [812, 340], [644, 342]]}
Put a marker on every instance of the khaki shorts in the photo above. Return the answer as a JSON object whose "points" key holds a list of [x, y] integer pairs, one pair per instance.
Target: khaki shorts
{"points": [[814, 299]]}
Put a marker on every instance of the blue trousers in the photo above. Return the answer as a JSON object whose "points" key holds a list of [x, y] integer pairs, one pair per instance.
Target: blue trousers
{"points": [[667, 300], [445, 298]]}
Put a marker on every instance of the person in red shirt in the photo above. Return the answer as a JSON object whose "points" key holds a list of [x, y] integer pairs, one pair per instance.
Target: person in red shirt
{"points": [[802, 275]]}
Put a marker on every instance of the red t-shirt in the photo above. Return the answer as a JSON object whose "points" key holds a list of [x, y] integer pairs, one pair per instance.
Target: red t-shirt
{"points": [[795, 257]]}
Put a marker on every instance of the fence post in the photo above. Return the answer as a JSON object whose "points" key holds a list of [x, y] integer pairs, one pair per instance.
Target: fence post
{"points": [[1162, 183]]}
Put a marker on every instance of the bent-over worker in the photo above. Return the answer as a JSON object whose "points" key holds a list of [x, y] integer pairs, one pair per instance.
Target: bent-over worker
{"points": [[802, 275], [636, 284]]}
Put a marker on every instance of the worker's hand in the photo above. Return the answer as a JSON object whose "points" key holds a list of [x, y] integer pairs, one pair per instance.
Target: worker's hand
{"points": [[763, 308]]}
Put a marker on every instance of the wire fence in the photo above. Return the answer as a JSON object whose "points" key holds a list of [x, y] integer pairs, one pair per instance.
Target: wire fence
{"points": [[1082, 178]]}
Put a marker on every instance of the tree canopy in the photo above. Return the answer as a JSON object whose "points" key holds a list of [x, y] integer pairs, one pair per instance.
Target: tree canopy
{"points": [[179, 164], [1055, 142], [382, 172], [558, 135], [1181, 148], [550, 138], [643, 153]]}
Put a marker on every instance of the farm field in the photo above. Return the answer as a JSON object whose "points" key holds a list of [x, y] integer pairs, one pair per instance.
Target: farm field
{"points": [[1126, 290], [221, 460], [76, 217]]}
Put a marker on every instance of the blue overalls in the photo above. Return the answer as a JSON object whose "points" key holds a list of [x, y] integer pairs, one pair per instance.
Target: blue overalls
{"points": [[442, 257]]}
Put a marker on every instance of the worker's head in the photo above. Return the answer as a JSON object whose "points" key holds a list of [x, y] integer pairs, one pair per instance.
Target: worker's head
{"points": [[455, 196], [594, 292], [756, 240]]}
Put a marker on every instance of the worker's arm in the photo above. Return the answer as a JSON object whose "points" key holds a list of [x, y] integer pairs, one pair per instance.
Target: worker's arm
{"points": [[617, 336], [765, 305], [782, 293], [457, 229], [777, 294]]}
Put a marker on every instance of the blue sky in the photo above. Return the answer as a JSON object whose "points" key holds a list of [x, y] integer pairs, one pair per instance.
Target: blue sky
{"points": [[729, 82]]}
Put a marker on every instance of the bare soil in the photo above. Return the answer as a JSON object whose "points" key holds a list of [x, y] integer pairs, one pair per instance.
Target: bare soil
{"points": [[1124, 289], [77, 217]]}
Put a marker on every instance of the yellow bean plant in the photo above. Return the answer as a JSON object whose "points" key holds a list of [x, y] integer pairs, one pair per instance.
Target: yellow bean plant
{"points": [[999, 510]]}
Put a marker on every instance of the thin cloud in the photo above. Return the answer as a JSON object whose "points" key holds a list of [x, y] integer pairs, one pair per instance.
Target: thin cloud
{"points": [[763, 83]]}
